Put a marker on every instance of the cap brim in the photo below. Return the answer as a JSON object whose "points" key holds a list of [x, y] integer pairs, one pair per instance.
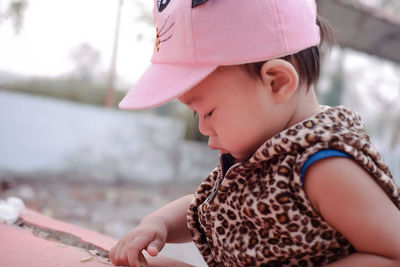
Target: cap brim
{"points": [[163, 82]]}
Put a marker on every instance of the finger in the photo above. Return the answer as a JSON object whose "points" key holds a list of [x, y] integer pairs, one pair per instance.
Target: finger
{"points": [[152, 251], [133, 260], [132, 249], [122, 254], [115, 252], [142, 260], [112, 253], [155, 247]]}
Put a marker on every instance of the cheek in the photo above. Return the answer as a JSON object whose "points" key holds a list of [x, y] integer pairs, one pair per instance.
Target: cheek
{"points": [[251, 132], [236, 135]]}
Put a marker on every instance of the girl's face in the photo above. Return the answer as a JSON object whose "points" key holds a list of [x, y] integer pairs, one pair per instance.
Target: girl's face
{"points": [[235, 110]]}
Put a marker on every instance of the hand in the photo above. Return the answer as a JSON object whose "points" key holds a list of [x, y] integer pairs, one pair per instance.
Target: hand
{"points": [[150, 235]]}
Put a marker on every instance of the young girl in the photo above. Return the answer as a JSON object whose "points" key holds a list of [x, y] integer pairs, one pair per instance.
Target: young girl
{"points": [[298, 184]]}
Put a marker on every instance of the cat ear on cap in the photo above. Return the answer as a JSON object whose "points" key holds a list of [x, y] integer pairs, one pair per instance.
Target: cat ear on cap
{"points": [[196, 3]]}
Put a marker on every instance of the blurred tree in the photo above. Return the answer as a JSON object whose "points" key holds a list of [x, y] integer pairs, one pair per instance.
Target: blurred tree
{"points": [[13, 10], [67, 87], [391, 6], [337, 84], [146, 16], [389, 116], [110, 97], [86, 59]]}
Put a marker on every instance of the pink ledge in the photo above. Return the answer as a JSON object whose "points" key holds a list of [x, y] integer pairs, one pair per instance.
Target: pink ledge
{"points": [[20, 248], [34, 218]]}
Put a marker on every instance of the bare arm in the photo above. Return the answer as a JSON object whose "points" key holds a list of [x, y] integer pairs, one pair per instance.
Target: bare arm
{"points": [[352, 202], [174, 216]]}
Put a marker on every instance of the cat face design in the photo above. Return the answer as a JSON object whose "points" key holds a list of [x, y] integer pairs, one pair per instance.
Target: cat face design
{"points": [[164, 30]]}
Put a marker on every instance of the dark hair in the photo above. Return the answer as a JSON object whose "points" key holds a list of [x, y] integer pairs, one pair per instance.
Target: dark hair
{"points": [[307, 61]]}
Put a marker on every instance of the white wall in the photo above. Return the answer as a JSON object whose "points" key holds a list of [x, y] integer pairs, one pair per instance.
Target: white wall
{"points": [[44, 136]]}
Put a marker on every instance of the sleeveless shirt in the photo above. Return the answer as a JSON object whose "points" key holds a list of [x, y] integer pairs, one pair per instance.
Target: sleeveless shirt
{"points": [[256, 213]]}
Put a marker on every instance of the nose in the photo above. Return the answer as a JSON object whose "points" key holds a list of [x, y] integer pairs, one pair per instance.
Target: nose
{"points": [[205, 128]]}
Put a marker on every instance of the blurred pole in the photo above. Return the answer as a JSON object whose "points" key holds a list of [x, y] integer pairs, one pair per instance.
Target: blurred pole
{"points": [[111, 79]]}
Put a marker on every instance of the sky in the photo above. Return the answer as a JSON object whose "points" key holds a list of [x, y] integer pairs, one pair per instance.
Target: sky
{"points": [[52, 28]]}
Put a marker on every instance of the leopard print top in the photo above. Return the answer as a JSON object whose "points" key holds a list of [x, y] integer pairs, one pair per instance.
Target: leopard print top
{"points": [[256, 213]]}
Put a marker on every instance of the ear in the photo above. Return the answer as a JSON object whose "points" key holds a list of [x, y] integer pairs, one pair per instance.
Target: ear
{"points": [[280, 78]]}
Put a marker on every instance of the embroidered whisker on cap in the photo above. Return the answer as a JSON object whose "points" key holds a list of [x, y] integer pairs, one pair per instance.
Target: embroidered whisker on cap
{"points": [[160, 36]]}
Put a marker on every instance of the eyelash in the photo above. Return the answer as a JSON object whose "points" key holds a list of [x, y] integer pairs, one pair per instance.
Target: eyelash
{"points": [[205, 116]]}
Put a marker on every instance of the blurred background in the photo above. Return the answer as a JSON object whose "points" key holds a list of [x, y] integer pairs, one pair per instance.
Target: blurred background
{"points": [[70, 153]]}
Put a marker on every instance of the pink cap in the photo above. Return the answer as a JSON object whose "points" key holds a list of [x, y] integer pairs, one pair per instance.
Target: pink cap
{"points": [[194, 37]]}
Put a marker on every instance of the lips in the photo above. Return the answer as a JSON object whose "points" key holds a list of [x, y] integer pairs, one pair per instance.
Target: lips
{"points": [[221, 150]]}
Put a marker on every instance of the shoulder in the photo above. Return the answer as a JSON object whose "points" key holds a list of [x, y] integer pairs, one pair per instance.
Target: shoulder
{"points": [[331, 178], [350, 200]]}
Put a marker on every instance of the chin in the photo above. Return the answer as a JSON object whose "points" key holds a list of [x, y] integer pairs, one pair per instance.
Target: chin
{"points": [[241, 157]]}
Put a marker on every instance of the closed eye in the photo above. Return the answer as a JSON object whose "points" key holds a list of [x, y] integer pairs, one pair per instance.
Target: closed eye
{"points": [[209, 114]]}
